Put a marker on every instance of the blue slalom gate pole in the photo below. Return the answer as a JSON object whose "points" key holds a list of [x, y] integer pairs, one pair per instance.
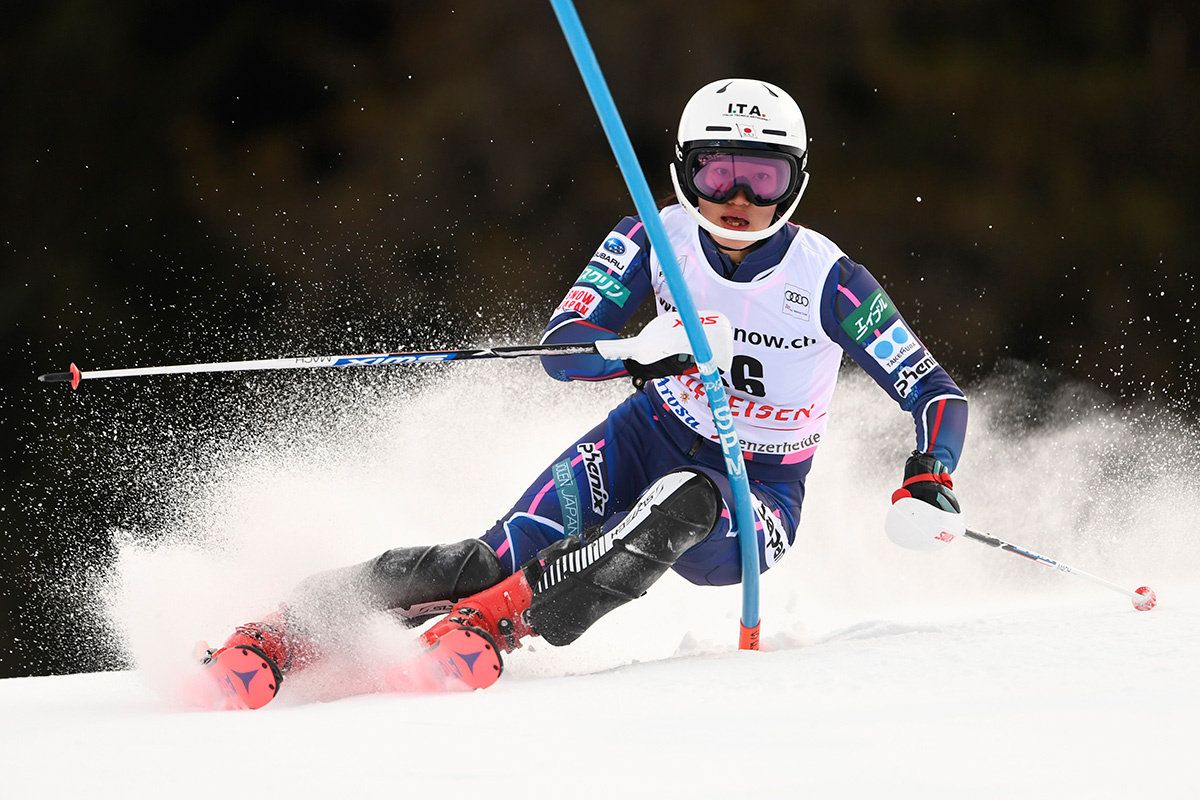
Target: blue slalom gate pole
{"points": [[635, 179]]}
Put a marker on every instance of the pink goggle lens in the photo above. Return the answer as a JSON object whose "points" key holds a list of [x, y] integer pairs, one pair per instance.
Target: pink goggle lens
{"points": [[718, 176]]}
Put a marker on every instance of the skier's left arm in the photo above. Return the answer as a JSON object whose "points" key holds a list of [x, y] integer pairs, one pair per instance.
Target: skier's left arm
{"points": [[857, 313]]}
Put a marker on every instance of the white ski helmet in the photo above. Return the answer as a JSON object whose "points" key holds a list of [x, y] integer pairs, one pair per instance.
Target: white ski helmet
{"points": [[742, 126]]}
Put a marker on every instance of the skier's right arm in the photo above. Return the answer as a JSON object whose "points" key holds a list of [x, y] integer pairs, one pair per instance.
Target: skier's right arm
{"points": [[602, 299]]}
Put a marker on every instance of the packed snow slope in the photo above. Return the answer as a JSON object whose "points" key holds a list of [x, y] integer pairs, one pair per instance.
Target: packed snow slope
{"points": [[884, 673]]}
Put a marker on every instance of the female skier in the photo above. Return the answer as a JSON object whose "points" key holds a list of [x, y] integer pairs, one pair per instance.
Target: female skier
{"points": [[645, 490]]}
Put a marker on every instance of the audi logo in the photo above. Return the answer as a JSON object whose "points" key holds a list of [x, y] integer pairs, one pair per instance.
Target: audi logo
{"points": [[797, 298]]}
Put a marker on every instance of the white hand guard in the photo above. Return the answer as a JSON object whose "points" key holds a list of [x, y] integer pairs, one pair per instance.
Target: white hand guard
{"points": [[665, 336], [924, 513], [915, 524]]}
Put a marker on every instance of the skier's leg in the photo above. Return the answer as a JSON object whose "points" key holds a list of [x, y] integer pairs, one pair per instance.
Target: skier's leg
{"points": [[575, 493], [679, 521], [414, 583], [595, 478], [419, 582], [560, 593], [572, 591]]}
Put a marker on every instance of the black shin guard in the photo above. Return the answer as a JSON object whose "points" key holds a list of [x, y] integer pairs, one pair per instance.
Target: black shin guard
{"points": [[415, 583], [574, 590], [420, 582]]}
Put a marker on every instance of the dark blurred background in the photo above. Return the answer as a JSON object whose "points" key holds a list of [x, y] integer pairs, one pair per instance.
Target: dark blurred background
{"points": [[229, 180]]}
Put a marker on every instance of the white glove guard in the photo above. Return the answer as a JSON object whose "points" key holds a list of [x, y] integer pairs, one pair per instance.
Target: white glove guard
{"points": [[915, 524], [665, 336]]}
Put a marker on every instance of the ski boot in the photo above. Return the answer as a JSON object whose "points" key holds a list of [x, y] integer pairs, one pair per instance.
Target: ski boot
{"points": [[464, 646], [248, 669]]}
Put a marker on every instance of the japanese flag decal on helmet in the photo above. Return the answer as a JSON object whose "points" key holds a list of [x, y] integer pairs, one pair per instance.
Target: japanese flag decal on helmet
{"points": [[747, 116]]}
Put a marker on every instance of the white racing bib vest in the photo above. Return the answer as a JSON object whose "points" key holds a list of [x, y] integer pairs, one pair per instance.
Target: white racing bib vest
{"points": [[784, 368]]}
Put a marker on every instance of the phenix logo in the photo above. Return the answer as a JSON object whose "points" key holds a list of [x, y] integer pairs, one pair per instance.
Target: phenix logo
{"points": [[593, 462], [911, 376]]}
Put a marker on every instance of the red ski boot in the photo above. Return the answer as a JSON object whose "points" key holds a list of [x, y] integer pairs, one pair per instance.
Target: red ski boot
{"points": [[248, 669], [464, 646]]}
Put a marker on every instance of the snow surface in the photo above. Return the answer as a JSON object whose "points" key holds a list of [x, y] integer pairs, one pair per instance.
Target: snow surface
{"points": [[885, 673]]}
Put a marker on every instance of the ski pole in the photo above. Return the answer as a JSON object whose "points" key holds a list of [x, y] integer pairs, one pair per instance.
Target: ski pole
{"points": [[661, 338], [1143, 597], [74, 375]]}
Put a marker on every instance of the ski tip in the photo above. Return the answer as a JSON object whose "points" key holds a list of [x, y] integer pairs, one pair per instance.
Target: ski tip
{"points": [[467, 657], [72, 376], [230, 679], [1148, 601]]}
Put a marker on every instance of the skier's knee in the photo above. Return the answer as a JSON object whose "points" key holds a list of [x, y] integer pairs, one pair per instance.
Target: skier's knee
{"points": [[573, 591], [687, 504]]}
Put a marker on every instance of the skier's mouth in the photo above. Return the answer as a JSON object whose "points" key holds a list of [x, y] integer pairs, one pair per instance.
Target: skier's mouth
{"points": [[737, 223]]}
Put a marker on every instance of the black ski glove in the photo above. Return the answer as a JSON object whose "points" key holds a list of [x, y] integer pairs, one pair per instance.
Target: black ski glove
{"points": [[671, 365], [927, 479]]}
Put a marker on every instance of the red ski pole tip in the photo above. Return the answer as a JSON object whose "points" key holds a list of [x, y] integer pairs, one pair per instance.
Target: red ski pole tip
{"points": [[1149, 601], [75, 376]]}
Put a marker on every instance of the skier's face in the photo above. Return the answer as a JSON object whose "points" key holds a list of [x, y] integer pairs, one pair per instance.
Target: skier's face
{"points": [[737, 214]]}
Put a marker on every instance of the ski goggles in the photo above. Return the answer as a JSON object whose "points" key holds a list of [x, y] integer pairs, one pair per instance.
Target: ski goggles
{"points": [[717, 175]]}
